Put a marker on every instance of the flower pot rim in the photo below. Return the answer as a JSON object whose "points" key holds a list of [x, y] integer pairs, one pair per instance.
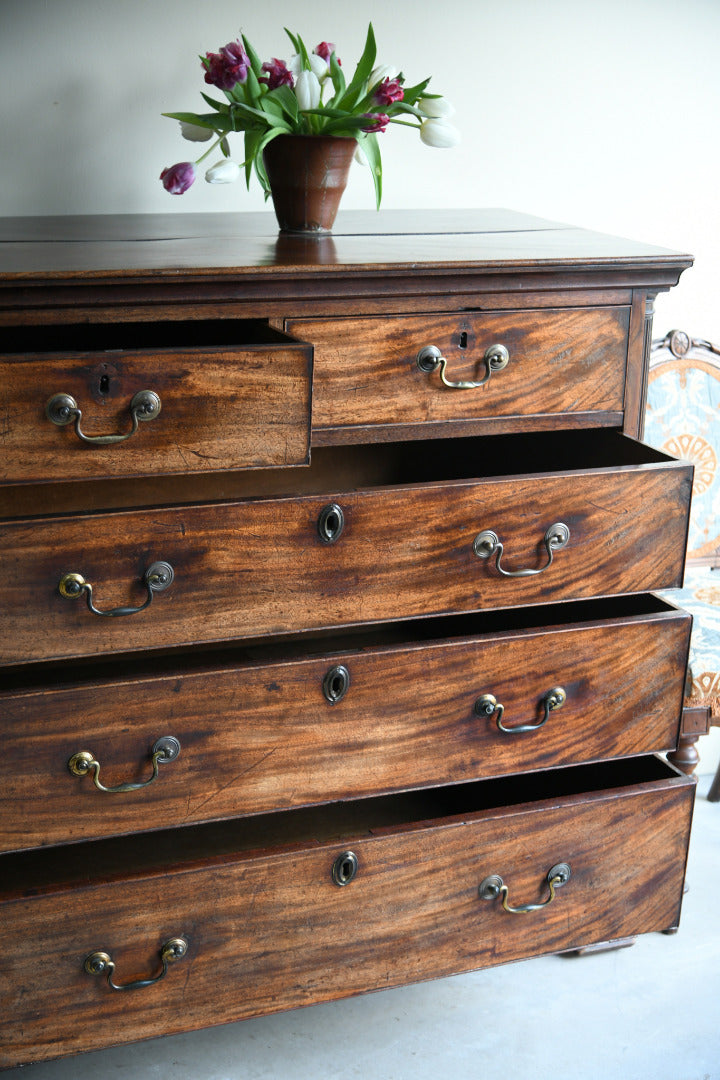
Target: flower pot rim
{"points": [[318, 136]]}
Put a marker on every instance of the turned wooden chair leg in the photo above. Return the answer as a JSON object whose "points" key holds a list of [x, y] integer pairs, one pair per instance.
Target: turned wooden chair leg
{"points": [[714, 792], [696, 721], [685, 757]]}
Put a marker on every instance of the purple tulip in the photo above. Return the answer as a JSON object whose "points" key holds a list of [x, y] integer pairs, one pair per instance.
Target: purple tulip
{"points": [[325, 50], [228, 67], [178, 178], [277, 74], [388, 91], [376, 122]]}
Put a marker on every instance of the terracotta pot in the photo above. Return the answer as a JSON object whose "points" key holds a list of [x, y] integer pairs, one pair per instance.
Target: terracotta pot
{"points": [[308, 174]]}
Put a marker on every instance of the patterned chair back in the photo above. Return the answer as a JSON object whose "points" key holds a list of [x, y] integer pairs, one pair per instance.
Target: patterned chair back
{"points": [[683, 419]]}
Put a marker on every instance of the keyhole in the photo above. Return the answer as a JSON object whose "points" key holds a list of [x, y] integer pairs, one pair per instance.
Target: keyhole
{"points": [[345, 868], [463, 339], [104, 384], [336, 683], [331, 523]]}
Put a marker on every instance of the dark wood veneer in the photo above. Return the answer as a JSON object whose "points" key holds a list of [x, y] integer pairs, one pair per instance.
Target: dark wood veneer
{"points": [[232, 846]]}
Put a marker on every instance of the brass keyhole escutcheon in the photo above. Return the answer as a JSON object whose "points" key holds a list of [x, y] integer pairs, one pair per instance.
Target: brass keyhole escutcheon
{"points": [[331, 522], [336, 683], [345, 868]]}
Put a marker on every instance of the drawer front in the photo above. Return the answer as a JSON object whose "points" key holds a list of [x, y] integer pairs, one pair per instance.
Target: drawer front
{"points": [[275, 735], [271, 929], [568, 362], [261, 566], [240, 407]]}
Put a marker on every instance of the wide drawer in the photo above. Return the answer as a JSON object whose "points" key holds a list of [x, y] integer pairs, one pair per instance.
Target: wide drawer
{"points": [[164, 398], [272, 917], [404, 533], [373, 372], [414, 541], [376, 712]]}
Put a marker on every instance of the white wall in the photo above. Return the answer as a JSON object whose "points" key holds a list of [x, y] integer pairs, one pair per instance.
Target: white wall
{"points": [[602, 114]]}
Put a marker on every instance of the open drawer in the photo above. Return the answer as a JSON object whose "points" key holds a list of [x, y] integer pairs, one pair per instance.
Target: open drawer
{"points": [[152, 399], [365, 534], [411, 705], [217, 923]]}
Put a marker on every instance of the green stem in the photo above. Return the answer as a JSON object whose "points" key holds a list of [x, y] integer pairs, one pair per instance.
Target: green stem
{"points": [[405, 123], [210, 149]]}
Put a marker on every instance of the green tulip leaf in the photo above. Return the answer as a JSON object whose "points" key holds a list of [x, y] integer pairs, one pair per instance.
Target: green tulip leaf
{"points": [[287, 101], [255, 61], [362, 72], [221, 106], [371, 149], [205, 120]]}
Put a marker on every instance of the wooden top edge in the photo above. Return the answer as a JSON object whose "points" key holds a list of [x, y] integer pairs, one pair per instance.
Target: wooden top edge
{"points": [[136, 246]]}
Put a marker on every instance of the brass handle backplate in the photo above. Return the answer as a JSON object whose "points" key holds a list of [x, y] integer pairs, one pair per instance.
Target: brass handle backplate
{"points": [[488, 704], [63, 409], [165, 750], [158, 577], [101, 963], [430, 358], [493, 887], [487, 544]]}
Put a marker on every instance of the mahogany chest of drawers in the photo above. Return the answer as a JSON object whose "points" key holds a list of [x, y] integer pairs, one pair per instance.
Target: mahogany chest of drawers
{"points": [[330, 655]]}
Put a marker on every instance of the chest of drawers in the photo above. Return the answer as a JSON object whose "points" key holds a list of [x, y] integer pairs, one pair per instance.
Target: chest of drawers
{"points": [[330, 655]]}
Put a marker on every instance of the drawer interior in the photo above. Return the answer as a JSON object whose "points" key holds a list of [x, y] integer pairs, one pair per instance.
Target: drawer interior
{"points": [[361, 467], [131, 857], [139, 336], [328, 642]]}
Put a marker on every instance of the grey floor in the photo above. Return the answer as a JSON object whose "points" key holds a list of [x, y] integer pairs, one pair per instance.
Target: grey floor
{"points": [[650, 1012]]}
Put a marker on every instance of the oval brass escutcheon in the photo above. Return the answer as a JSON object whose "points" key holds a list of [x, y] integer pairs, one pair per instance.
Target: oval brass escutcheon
{"points": [[336, 683], [331, 523], [345, 868]]}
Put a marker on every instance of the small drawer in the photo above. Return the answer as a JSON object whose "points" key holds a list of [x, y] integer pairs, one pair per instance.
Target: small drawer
{"points": [[421, 704], [412, 529], [137, 399], [533, 366], [308, 906]]}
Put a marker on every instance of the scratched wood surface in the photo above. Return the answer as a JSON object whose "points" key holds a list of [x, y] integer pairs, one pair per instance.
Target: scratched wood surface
{"points": [[259, 567], [262, 736], [223, 407], [196, 853], [270, 930]]}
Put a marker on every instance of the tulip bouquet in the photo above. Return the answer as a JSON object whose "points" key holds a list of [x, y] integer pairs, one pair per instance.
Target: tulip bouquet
{"points": [[307, 95]]}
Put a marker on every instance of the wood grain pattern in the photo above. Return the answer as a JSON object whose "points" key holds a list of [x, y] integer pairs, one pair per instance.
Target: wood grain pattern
{"points": [[269, 930], [261, 736], [259, 567], [137, 245], [246, 406], [561, 362], [232, 846]]}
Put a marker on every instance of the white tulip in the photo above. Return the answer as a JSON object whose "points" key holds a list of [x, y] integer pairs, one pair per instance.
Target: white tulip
{"points": [[307, 90], [318, 66], [195, 133], [438, 132], [435, 107], [383, 71], [223, 172]]}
